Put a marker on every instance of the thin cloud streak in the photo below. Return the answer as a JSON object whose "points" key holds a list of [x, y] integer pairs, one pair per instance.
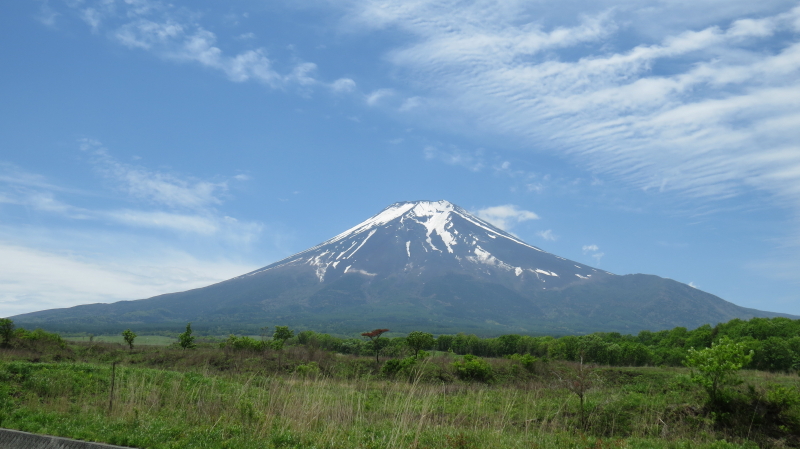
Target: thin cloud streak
{"points": [[160, 188]]}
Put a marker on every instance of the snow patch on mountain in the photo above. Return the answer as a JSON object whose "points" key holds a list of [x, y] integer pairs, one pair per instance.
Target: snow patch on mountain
{"points": [[483, 256], [371, 233]]}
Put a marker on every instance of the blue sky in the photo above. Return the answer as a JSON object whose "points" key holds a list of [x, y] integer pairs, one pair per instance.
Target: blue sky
{"points": [[148, 147]]}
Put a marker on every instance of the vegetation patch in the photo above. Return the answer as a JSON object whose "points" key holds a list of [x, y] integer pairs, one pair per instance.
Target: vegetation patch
{"points": [[291, 390]]}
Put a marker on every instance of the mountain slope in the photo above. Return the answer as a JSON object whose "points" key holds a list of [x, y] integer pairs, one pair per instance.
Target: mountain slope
{"points": [[419, 265]]}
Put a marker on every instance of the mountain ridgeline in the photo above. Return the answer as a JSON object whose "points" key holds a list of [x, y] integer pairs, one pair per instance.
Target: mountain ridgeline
{"points": [[418, 265]]}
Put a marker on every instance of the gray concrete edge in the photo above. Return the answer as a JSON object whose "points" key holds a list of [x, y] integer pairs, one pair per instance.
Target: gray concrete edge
{"points": [[16, 439]]}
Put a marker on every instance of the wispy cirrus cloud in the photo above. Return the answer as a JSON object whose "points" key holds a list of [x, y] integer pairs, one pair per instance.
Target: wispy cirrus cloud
{"points": [[166, 201], [703, 104], [160, 188], [175, 33], [93, 259]]}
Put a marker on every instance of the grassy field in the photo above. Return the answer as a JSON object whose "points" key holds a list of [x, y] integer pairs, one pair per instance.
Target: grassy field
{"points": [[304, 398]]}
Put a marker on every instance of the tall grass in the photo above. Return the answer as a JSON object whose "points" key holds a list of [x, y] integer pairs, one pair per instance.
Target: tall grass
{"points": [[168, 409]]}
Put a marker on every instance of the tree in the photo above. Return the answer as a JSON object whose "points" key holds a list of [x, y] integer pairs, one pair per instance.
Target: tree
{"points": [[279, 337], [418, 341], [6, 331], [129, 336], [378, 343], [715, 367], [186, 339], [579, 381], [775, 355]]}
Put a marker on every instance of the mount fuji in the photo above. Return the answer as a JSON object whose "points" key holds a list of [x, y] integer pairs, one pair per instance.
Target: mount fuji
{"points": [[418, 265]]}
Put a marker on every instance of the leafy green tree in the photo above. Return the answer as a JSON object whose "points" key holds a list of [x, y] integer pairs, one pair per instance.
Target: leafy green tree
{"points": [[418, 341], [129, 336], [715, 367], [186, 339], [279, 337], [6, 331], [776, 355], [281, 334], [508, 344], [378, 343]]}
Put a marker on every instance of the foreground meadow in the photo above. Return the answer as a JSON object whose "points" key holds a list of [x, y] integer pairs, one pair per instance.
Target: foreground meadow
{"points": [[306, 398]]}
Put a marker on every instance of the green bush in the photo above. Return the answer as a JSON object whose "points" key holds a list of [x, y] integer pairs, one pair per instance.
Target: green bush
{"points": [[473, 368], [526, 360], [244, 343], [310, 369], [782, 397], [395, 367], [715, 367]]}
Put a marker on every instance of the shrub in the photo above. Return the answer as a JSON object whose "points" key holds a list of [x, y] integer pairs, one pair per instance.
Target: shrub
{"points": [[244, 343], [394, 367], [526, 360], [473, 368], [310, 369], [715, 367]]}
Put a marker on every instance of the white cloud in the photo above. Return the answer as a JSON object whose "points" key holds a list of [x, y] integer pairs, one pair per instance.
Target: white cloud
{"points": [[374, 97], [32, 279], [60, 266], [547, 235], [594, 252], [193, 203], [506, 216], [165, 220], [343, 85], [173, 33], [590, 248], [160, 188], [703, 102], [410, 103]]}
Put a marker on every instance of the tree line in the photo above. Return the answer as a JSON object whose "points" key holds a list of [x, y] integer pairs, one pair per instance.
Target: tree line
{"points": [[775, 343]]}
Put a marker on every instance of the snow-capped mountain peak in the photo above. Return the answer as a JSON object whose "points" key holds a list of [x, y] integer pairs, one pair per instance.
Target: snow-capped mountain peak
{"points": [[420, 238]]}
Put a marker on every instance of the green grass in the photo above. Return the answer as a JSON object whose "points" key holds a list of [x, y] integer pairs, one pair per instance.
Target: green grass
{"points": [[165, 409], [168, 398]]}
